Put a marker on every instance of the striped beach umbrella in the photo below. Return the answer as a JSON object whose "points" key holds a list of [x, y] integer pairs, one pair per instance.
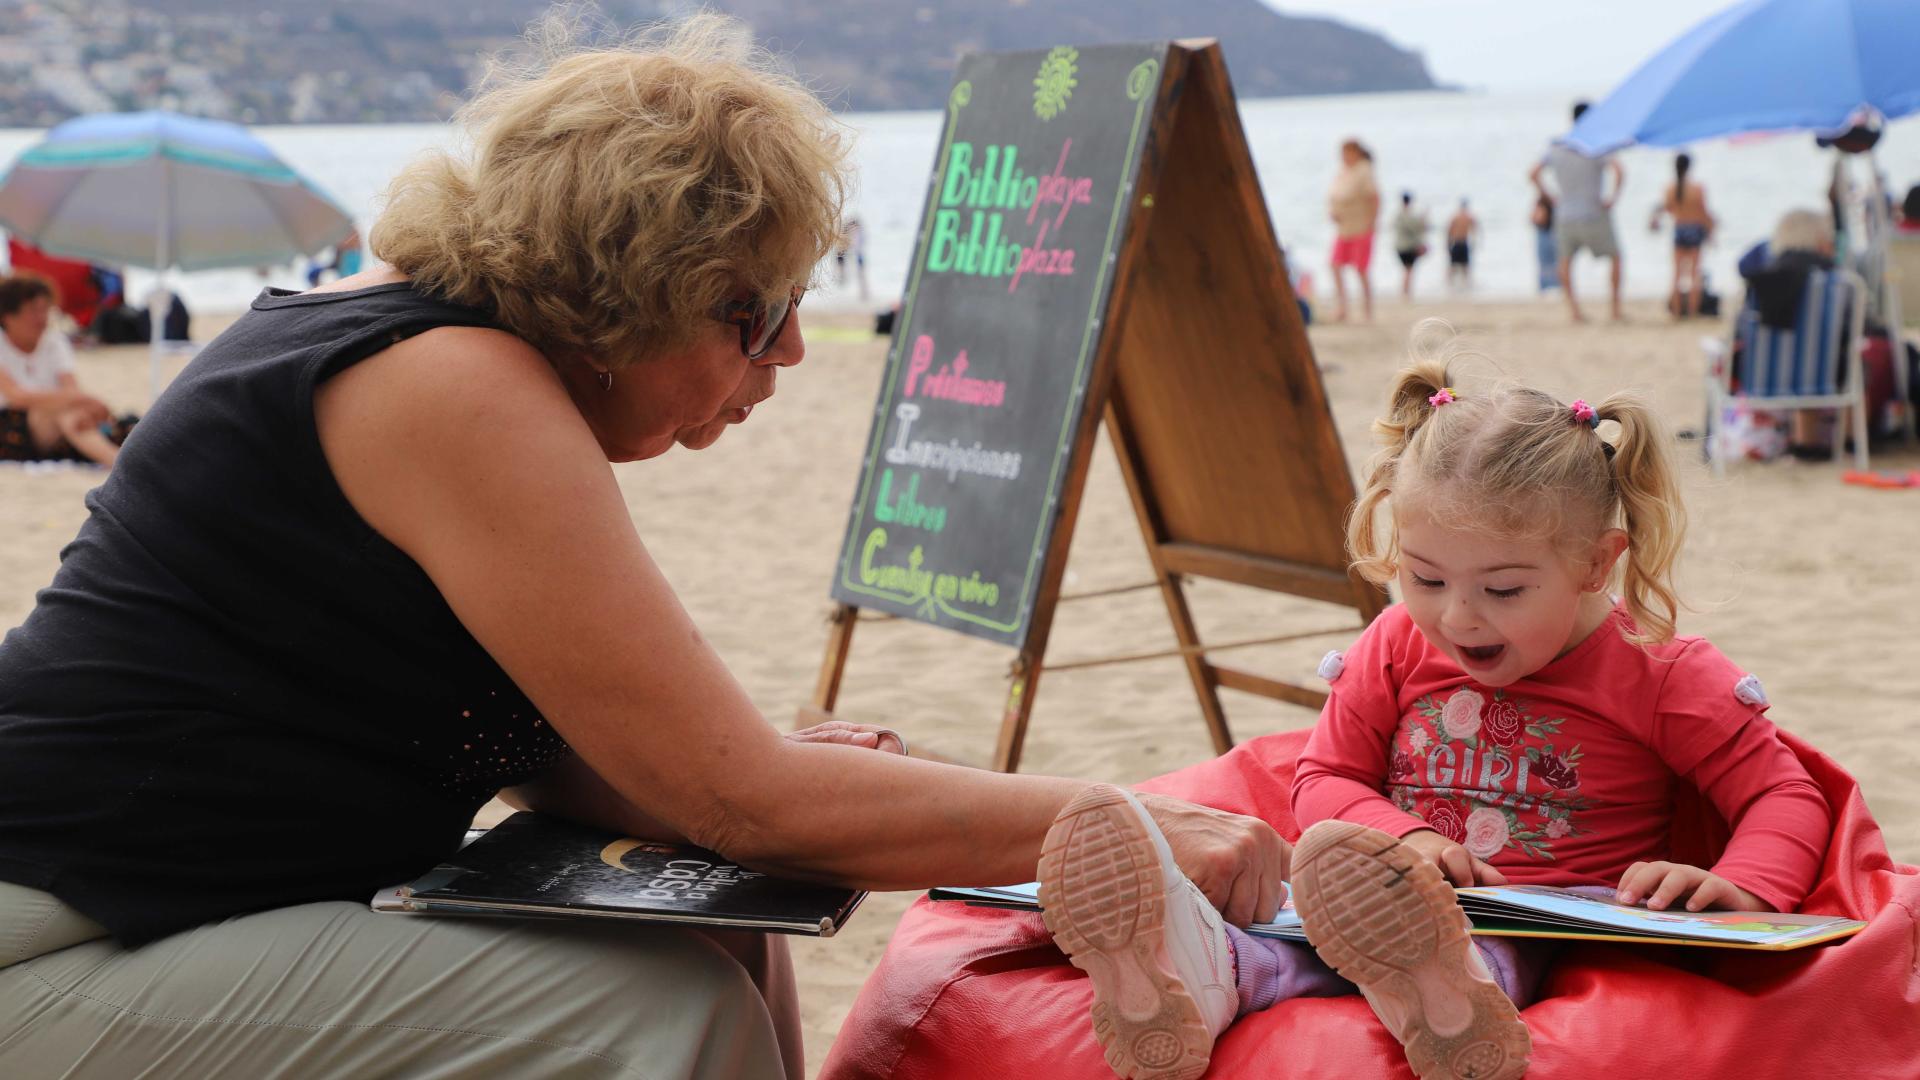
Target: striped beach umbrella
{"points": [[164, 191]]}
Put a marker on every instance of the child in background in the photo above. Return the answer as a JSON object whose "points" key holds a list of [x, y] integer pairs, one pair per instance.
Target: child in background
{"points": [[1409, 240], [1510, 722], [1462, 230]]}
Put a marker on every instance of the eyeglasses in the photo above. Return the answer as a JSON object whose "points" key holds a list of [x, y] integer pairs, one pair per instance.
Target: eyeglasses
{"points": [[759, 326]]}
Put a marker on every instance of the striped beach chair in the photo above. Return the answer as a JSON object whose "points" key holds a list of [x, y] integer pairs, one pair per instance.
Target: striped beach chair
{"points": [[1805, 367]]}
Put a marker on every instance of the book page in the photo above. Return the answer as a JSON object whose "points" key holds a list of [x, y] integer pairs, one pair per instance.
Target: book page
{"points": [[1027, 898], [1541, 911], [1596, 907]]}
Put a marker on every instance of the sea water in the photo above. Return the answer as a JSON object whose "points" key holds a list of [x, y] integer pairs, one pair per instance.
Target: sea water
{"points": [[1441, 146]]}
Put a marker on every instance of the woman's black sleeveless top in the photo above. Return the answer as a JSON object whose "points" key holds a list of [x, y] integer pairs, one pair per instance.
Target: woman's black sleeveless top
{"points": [[236, 695]]}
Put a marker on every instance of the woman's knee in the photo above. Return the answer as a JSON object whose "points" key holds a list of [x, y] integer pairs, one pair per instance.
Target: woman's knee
{"points": [[675, 995]]}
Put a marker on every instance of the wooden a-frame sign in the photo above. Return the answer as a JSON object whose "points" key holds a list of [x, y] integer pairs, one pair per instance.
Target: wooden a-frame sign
{"points": [[1095, 244]]}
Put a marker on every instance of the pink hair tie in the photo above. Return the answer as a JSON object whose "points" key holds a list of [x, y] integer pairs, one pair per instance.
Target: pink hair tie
{"points": [[1445, 396], [1583, 414]]}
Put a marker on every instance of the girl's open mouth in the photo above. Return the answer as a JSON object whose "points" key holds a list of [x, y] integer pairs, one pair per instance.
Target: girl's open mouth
{"points": [[1481, 655]]}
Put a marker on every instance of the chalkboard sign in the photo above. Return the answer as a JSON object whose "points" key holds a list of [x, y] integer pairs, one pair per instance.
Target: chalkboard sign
{"points": [[986, 384], [1095, 246]]}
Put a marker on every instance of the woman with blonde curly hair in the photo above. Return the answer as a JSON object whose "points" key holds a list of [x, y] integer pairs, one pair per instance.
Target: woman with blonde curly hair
{"points": [[365, 566]]}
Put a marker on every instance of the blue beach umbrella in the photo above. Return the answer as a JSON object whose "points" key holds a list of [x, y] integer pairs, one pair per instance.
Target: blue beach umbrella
{"points": [[1766, 65]]}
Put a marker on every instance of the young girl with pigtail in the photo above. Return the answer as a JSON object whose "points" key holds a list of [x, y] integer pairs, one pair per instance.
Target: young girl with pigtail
{"points": [[1512, 721]]}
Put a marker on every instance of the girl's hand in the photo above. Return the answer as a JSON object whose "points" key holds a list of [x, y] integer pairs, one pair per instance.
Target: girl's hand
{"points": [[1455, 863], [1661, 883], [869, 736]]}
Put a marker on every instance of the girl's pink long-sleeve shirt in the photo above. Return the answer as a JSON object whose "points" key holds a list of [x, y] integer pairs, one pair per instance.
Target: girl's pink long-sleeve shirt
{"points": [[1565, 777]]}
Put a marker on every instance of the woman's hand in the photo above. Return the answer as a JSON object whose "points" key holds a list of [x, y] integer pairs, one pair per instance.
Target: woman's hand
{"points": [[1661, 883], [1456, 864], [870, 736], [1240, 863]]}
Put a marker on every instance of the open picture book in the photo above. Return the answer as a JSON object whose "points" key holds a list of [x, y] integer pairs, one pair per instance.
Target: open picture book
{"points": [[1544, 911], [530, 865]]}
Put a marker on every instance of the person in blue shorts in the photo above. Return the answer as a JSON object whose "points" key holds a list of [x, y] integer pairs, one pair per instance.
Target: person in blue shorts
{"points": [[1686, 202]]}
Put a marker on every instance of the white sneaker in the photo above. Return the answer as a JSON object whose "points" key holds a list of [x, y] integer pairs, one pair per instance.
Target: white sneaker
{"points": [[1156, 950], [1383, 916]]}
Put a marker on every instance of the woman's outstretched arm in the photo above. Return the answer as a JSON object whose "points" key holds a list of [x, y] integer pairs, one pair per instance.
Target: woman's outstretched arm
{"points": [[462, 448]]}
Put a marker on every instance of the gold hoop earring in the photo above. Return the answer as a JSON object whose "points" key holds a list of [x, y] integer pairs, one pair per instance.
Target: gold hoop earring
{"points": [[605, 379]]}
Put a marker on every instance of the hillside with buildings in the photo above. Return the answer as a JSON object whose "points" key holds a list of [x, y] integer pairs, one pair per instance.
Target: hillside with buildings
{"points": [[350, 61]]}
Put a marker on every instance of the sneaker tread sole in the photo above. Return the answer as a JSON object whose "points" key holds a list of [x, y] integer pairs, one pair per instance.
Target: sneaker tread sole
{"points": [[1383, 917], [1104, 898]]}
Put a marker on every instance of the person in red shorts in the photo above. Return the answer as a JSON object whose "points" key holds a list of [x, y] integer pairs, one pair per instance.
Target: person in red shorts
{"points": [[1354, 205]]}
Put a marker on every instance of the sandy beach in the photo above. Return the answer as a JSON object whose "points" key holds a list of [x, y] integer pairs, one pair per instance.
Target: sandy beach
{"points": [[1811, 584]]}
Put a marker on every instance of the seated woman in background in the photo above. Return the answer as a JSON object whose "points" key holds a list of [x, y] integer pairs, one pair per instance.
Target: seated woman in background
{"points": [[1776, 275], [44, 415]]}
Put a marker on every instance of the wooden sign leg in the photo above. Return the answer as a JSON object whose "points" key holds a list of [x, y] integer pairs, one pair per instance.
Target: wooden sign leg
{"points": [[1205, 687], [826, 690], [1013, 722]]}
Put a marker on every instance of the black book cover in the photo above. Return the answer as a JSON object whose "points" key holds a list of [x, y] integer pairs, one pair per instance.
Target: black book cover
{"points": [[535, 865]]}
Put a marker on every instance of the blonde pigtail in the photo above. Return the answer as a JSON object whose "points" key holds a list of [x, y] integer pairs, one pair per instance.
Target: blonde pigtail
{"points": [[1408, 409], [1654, 517]]}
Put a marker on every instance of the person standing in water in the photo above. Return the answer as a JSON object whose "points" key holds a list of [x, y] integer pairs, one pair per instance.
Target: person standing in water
{"points": [[852, 246], [1686, 201], [1462, 228], [1409, 240], [1583, 211], [1354, 205], [1544, 247]]}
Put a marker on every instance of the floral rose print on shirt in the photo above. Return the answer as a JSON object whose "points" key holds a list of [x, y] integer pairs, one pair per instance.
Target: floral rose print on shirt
{"points": [[1444, 818], [1502, 722], [1555, 770], [1486, 832], [1483, 770], [1460, 719]]}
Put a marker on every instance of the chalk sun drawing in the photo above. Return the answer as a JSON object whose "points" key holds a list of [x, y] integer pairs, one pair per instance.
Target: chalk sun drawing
{"points": [[1055, 83]]}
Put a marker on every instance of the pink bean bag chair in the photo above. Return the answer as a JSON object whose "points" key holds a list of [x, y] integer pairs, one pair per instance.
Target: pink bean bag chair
{"points": [[979, 992]]}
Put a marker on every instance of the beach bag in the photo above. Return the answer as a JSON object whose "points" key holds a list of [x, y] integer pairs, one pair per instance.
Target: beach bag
{"points": [[1746, 434], [1876, 362], [1680, 306], [980, 992], [121, 325], [126, 325]]}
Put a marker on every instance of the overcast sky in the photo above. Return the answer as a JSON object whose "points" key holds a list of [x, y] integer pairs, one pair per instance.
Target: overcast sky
{"points": [[1582, 46]]}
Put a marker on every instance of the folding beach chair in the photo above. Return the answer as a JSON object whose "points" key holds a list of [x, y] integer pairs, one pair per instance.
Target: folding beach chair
{"points": [[1813, 365]]}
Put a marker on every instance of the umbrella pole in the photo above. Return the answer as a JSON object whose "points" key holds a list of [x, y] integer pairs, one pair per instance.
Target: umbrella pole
{"points": [[159, 305]]}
